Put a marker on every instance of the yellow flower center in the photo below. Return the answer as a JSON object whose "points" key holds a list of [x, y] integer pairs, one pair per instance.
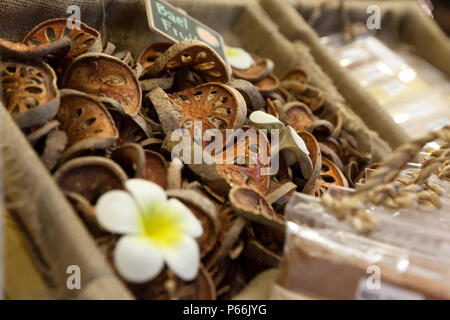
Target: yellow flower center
{"points": [[161, 225]]}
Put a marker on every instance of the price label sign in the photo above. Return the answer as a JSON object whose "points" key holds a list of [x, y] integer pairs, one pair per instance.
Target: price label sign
{"points": [[176, 26]]}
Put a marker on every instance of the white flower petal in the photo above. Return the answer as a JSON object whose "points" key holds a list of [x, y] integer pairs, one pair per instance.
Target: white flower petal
{"points": [[137, 259], [189, 223], [183, 258], [238, 58], [117, 212], [147, 194]]}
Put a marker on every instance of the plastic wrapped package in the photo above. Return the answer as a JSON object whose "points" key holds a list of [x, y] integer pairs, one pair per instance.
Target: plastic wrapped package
{"points": [[325, 259], [415, 93]]}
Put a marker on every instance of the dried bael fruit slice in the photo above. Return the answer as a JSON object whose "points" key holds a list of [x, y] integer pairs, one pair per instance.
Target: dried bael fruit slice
{"points": [[313, 97], [250, 165], [337, 122], [268, 84], [83, 117], [260, 69], [316, 158], [131, 128], [84, 39], [167, 286], [90, 177], [253, 206], [155, 169], [297, 74], [29, 92], [102, 75], [205, 210], [20, 52], [351, 172], [298, 116], [330, 176], [321, 128], [215, 105], [87, 147], [194, 55], [131, 157], [252, 96], [151, 53], [329, 153], [245, 163]]}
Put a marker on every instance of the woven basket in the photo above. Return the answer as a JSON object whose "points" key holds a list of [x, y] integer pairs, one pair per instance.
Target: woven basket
{"points": [[55, 236]]}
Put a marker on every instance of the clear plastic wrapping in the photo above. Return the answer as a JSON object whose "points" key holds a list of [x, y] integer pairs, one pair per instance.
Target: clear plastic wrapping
{"points": [[326, 259]]}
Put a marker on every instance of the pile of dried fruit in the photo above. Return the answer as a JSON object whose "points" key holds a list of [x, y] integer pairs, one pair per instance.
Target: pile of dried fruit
{"points": [[98, 118]]}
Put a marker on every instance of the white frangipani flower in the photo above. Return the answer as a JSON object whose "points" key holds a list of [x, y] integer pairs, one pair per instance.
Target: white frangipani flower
{"points": [[238, 58], [155, 230]]}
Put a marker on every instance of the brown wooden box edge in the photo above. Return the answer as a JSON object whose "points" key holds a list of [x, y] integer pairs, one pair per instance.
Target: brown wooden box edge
{"points": [[58, 237]]}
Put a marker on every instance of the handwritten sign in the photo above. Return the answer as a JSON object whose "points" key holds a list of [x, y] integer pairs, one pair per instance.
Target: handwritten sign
{"points": [[176, 25]]}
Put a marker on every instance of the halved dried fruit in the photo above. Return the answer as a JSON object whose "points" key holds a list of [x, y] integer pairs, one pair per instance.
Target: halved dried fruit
{"points": [[351, 172], [101, 75], [84, 39], [167, 286], [337, 122], [348, 151], [29, 92], [272, 109], [313, 97], [252, 96], [267, 84], [151, 53], [329, 153], [205, 210], [192, 54], [155, 168], [260, 69], [316, 159], [83, 117], [297, 74], [87, 147], [131, 157], [22, 52], [253, 206], [321, 128], [245, 163], [131, 129], [298, 116], [330, 176], [250, 165], [90, 177], [214, 104]]}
